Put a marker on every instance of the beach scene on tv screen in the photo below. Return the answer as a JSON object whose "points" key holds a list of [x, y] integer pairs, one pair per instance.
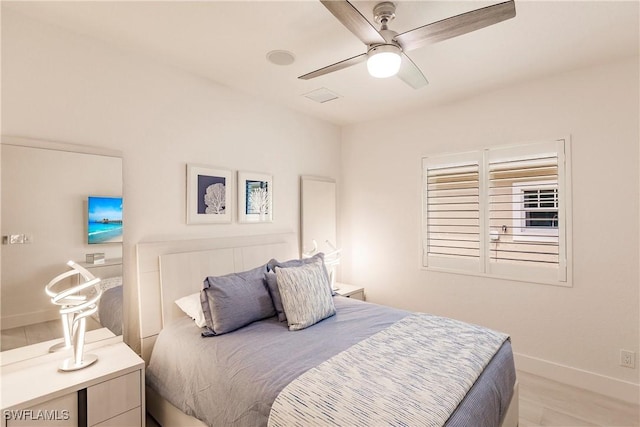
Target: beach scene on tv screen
{"points": [[105, 220]]}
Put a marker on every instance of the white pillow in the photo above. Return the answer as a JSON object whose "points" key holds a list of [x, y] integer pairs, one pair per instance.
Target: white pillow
{"points": [[193, 308]]}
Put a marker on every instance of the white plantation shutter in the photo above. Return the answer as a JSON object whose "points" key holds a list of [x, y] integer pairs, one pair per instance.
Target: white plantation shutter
{"points": [[525, 211], [452, 228], [499, 212]]}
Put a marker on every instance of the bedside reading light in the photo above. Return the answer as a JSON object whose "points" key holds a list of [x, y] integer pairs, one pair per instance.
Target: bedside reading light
{"points": [[76, 304], [331, 260]]}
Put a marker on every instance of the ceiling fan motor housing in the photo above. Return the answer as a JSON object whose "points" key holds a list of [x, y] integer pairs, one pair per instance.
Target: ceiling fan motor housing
{"points": [[384, 12]]}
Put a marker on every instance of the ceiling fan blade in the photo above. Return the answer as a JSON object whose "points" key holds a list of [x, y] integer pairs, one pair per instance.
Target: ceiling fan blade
{"points": [[335, 67], [351, 18], [456, 25], [411, 74]]}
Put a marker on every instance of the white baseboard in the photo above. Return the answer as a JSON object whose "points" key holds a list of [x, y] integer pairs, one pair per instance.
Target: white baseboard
{"points": [[24, 319], [597, 383]]}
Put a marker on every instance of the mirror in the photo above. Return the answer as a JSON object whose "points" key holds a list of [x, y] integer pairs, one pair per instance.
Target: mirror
{"points": [[317, 214], [318, 222], [45, 223]]}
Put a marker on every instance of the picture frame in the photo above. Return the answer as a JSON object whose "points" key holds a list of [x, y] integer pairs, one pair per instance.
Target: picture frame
{"points": [[255, 197], [209, 195]]}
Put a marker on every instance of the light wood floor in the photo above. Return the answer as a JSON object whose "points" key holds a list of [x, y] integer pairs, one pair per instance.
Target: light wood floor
{"points": [[548, 403], [552, 404], [38, 332]]}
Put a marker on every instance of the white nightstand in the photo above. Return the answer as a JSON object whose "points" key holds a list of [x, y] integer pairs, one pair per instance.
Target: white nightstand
{"points": [[108, 393], [350, 291]]}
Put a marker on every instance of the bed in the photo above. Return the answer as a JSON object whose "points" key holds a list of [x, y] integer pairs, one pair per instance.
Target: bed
{"points": [[250, 376], [109, 313]]}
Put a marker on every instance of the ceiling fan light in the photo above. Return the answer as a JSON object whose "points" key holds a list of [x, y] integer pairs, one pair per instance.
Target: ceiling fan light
{"points": [[384, 61]]}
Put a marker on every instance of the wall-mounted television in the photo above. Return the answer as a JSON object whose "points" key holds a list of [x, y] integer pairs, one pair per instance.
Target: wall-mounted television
{"points": [[105, 220]]}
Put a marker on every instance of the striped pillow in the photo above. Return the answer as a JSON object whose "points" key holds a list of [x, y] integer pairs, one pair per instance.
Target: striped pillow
{"points": [[305, 293]]}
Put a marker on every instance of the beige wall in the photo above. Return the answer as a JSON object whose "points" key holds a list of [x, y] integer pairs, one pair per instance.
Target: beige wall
{"points": [[574, 334], [60, 86]]}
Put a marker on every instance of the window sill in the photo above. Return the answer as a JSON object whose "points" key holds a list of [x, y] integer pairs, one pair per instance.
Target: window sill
{"points": [[557, 283]]}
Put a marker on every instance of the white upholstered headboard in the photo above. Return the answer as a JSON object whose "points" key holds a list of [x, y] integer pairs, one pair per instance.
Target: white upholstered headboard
{"points": [[169, 270]]}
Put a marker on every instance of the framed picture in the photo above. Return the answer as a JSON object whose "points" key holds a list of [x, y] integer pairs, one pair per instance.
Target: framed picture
{"points": [[208, 195], [255, 197]]}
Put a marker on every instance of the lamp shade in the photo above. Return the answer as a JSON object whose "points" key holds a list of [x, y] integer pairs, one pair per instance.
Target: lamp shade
{"points": [[384, 61]]}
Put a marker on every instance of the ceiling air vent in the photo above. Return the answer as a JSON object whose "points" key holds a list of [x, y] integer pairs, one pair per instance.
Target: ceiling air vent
{"points": [[321, 95]]}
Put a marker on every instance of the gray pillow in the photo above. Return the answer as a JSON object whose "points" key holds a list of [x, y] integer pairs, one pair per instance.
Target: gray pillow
{"points": [[272, 284], [306, 295], [271, 265], [235, 300], [272, 281]]}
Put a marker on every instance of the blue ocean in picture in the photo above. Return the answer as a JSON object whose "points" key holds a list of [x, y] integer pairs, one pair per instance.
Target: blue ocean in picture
{"points": [[105, 220], [105, 233]]}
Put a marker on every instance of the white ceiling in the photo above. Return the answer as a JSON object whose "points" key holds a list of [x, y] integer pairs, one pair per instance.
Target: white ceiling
{"points": [[227, 42]]}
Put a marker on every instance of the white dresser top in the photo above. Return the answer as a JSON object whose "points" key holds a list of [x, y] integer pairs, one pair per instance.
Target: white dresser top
{"points": [[37, 380]]}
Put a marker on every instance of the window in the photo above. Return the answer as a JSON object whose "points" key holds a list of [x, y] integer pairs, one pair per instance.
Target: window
{"points": [[535, 207], [499, 212], [541, 208]]}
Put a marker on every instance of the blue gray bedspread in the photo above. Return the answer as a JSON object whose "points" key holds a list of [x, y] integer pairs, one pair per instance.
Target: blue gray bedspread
{"points": [[233, 379], [413, 373]]}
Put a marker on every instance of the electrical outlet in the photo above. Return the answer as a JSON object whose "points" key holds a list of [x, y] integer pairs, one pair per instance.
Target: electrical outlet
{"points": [[628, 359], [16, 239]]}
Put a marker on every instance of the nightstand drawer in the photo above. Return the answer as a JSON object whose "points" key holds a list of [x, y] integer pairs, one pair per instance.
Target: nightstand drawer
{"points": [[62, 411], [112, 398], [132, 418]]}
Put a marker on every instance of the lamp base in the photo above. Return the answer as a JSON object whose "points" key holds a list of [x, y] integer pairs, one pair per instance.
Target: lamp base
{"points": [[70, 363]]}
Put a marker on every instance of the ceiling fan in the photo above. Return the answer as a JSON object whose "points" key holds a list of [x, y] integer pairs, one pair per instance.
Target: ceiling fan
{"points": [[386, 49]]}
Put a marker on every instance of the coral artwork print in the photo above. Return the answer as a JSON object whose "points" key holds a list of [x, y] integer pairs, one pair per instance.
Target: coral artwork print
{"points": [[215, 199], [255, 197], [209, 198], [211, 195], [259, 201]]}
